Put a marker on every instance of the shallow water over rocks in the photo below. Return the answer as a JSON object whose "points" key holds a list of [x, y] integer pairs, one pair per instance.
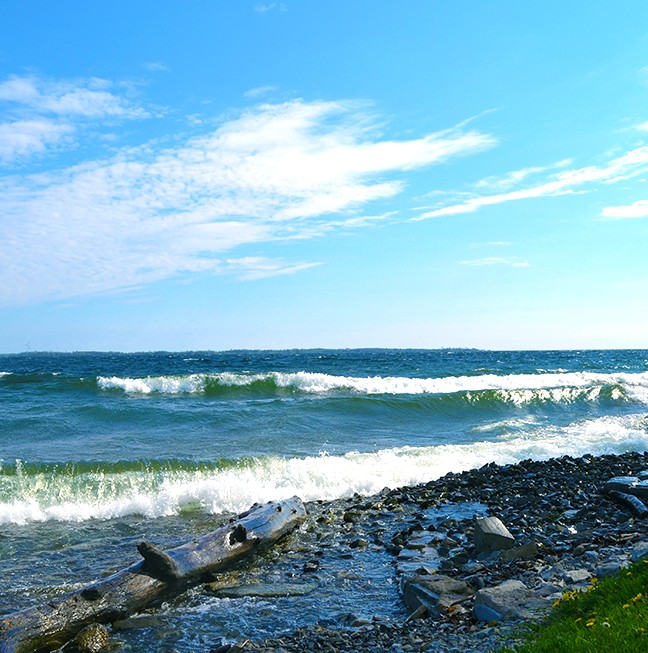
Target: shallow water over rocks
{"points": [[336, 581]]}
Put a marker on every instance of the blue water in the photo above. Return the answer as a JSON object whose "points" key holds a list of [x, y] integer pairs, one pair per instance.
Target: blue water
{"points": [[98, 447]]}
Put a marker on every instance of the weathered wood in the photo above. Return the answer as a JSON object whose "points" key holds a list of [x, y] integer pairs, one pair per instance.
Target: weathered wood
{"points": [[160, 575]]}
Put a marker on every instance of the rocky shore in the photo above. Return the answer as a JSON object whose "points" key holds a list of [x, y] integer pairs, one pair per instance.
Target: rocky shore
{"points": [[473, 555]]}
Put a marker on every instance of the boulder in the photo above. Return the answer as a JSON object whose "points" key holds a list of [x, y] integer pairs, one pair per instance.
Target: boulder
{"points": [[510, 600], [436, 592], [491, 535]]}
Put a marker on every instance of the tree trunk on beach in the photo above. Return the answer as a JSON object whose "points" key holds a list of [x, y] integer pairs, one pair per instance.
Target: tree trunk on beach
{"points": [[159, 576]]}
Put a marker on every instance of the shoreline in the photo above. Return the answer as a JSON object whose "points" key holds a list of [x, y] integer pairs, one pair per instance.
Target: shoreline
{"points": [[566, 529]]}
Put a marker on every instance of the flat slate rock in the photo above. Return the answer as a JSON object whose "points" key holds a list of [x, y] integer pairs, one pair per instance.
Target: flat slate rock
{"points": [[436, 592], [509, 600], [621, 483]]}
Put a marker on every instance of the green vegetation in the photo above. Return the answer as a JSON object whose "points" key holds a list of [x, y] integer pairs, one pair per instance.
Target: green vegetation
{"points": [[610, 617]]}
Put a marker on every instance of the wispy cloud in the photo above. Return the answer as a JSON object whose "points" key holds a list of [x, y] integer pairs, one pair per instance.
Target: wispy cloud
{"points": [[36, 114], [277, 171], [576, 180], [496, 260], [260, 91], [265, 7], [156, 67], [516, 177], [252, 268]]}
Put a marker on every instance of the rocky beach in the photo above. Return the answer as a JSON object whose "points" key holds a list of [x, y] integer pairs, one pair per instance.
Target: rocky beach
{"points": [[545, 528]]}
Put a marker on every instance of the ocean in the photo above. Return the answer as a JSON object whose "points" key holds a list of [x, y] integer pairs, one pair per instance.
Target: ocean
{"points": [[99, 450]]}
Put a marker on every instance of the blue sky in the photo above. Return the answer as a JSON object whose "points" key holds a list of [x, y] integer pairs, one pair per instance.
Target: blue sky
{"points": [[233, 174]]}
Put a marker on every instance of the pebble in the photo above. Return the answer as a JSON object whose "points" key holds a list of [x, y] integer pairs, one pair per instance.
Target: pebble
{"points": [[566, 530]]}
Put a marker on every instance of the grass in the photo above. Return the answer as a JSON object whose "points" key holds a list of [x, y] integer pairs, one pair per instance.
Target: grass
{"points": [[610, 617]]}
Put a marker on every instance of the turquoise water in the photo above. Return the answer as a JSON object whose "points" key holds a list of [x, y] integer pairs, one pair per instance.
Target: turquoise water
{"points": [[109, 447], [108, 435]]}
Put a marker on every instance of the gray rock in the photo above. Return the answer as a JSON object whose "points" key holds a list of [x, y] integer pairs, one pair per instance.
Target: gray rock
{"points": [[639, 551], [591, 556], [436, 592], [640, 489], [621, 483], [512, 599], [484, 612], [529, 550], [491, 535], [473, 567], [548, 589], [609, 568], [550, 573], [577, 576], [137, 621]]}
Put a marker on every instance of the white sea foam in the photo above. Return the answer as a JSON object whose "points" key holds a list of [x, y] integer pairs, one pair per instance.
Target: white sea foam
{"points": [[162, 384], [517, 388], [105, 496]]}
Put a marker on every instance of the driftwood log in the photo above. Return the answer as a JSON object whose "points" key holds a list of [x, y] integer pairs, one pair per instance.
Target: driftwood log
{"points": [[159, 576]]}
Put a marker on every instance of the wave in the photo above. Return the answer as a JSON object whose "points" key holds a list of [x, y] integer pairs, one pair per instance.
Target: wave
{"points": [[514, 388], [73, 492]]}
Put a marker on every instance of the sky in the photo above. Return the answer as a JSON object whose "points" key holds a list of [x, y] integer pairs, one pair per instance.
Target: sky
{"points": [[232, 174]]}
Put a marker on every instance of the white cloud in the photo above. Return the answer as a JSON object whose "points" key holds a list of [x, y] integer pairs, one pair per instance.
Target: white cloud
{"points": [[89, 98], [23, 138], [36, 114], [630, 164], [275, 172], [638, 209]]}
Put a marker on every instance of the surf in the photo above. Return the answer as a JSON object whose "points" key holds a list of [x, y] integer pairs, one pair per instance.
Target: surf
{"points": [[153, 489]]}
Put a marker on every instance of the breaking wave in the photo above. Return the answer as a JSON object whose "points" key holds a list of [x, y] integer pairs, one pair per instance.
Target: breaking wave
{"points": [[80, 492], [516, 388]]}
